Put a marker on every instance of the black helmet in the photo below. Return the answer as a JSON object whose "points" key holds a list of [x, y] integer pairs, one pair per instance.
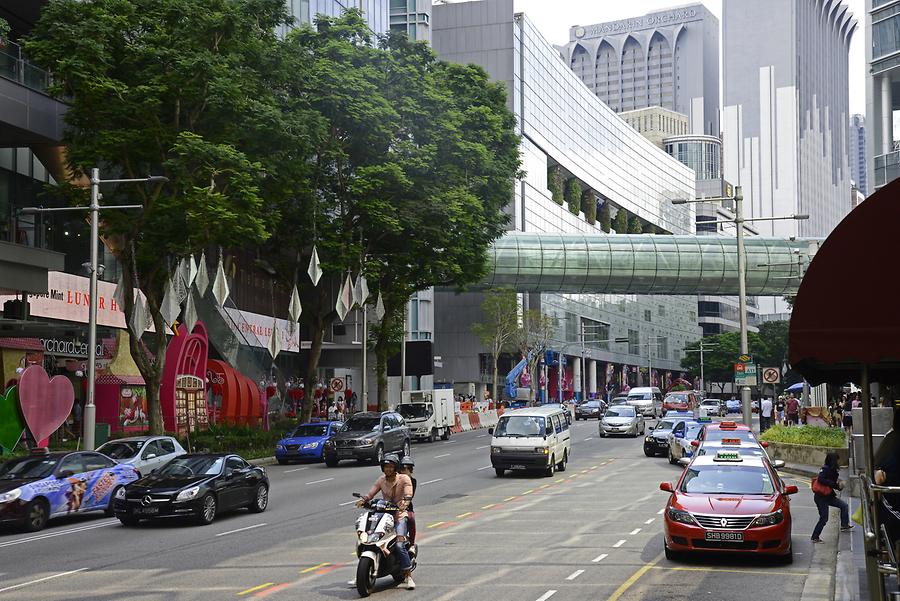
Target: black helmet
{"points": [[391, 459], [407, 460]]}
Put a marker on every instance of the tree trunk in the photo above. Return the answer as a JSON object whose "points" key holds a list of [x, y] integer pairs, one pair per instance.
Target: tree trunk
{"points": [[312, 367], [382, 353], [494, 397]]}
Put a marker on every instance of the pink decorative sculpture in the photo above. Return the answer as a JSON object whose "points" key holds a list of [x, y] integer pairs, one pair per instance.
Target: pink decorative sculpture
{"points": [[45, 402]]}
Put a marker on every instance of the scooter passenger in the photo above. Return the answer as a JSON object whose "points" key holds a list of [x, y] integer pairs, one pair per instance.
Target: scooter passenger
{"points": [[396, 488], [407, 465]]}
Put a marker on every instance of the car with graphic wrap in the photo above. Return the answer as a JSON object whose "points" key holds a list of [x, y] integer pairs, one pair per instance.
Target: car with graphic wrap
{"points": [[43, 485]]}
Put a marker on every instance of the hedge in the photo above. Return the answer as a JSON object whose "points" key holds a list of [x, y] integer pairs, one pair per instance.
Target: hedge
{"points": [[806, 435]]}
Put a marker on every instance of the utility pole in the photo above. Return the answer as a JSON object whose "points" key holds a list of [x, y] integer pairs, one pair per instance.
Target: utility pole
{"points": [[701, 350]]}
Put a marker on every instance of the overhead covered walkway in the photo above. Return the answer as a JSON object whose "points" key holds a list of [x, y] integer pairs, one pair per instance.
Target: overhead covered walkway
{"points": [[645, 264]]}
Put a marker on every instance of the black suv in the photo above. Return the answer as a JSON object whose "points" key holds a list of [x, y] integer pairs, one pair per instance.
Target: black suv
{"points": [[368, 435]]}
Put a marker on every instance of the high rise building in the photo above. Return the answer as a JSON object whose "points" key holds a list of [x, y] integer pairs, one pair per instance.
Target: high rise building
{"points": [[567, 133], [375, 12], [858, 153], [785, 120], [883, 72], [412, 17], [667, 58]]}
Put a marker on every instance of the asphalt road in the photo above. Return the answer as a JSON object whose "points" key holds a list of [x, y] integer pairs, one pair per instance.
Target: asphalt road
{"points": [[592, 532]]}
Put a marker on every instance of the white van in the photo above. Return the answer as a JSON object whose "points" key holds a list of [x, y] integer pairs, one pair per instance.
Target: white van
{"points": [[648, 400], [534, 438]]}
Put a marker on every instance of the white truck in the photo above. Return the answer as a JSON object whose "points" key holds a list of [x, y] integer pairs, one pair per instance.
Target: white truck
{"points": [[428, 413]]}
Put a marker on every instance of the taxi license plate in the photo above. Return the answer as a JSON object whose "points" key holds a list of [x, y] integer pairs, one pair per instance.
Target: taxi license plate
{"points": [[735, 537], [147, 510]]}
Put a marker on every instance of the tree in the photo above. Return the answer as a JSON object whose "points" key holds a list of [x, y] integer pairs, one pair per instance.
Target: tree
{"points": [[573, 195], [501, 322], [555, 183], [719, 360], [533, 339], [774, 336], [604, 218], [648, 228], [589, 205], [634, 225], [620, 223], [182, 88]]}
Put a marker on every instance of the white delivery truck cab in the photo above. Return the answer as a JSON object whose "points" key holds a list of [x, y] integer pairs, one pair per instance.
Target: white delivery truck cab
{"points": [[428, 413]]}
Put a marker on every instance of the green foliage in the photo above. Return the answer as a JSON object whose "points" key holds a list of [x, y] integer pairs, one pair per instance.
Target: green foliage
{"points": [[499, 328], [722, 351], [604, 217], [250, 443], [4, 30], [589, 206], [774, 336], [648, 228], [620, 223], [808, 435], [634, 225], [573, 195], [555, 183]]}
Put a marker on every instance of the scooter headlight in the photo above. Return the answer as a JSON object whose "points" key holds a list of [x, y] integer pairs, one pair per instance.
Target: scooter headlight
{"points": [[375, 537]]}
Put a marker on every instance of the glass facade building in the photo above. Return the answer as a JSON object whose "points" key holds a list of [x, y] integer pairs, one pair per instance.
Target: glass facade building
{"points": [[883, 73], [565, 126], [375, 12]]}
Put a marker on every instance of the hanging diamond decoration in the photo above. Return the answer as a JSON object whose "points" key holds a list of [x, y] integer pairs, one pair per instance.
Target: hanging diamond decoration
{"points": [[315, 270], [192, 271], [170, 307], [274, 340], [190, 313], [179, 281], [294, 309], [119, 294], [138, 324], [220, 285], [361, 291], [340, 307], [379, 308], [347, 293], [201, 280]]}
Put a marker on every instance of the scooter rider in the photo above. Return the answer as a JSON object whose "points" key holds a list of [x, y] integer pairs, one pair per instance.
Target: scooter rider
{"points": [[407, 465], [398, 489]]}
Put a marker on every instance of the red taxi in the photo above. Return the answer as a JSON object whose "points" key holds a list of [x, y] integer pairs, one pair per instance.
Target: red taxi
{"points": [[728, 503], [679, 401]]}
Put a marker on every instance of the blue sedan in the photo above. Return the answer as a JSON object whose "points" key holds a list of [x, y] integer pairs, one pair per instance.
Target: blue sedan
{"points": [[306, 441], [44, 485], [733, 405]]}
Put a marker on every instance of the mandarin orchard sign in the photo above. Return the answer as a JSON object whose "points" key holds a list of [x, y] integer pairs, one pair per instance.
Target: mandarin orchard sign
{"points": [[668, 17]]}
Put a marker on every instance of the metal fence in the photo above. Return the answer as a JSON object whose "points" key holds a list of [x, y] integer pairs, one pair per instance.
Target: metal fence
{"points": [[15, 65]]}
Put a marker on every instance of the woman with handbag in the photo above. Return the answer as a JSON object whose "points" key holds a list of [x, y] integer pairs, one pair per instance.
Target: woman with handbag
{"points": [[823, 487]]}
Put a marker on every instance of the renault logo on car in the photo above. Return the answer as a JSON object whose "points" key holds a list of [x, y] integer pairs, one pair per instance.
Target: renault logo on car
{"points": [[724, 522]]}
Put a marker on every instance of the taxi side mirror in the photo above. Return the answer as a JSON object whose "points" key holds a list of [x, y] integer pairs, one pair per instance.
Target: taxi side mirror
{"points": [[791, 490], [667, 487], [778, 464], [764, 444], [695, 443]]}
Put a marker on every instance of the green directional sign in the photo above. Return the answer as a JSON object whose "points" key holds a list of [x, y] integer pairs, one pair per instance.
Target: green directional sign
{"points": [[745, 374]]}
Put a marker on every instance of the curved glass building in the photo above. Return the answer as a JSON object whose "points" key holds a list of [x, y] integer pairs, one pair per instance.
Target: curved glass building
{"points": [[569, 137]]}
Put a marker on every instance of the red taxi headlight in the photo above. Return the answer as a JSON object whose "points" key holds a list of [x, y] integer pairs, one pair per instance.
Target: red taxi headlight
{"points": [[769, 519], [677, 515]]}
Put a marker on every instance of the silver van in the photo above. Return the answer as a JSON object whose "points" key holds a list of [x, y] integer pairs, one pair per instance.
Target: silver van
{"points": [[647, 400]]}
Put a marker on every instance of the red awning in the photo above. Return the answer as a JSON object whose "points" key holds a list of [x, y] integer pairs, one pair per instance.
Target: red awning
{"points": [[121, 380], [24, 344], [846, 314]]}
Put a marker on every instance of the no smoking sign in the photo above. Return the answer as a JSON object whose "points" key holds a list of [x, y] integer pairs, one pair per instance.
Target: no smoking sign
{"points": [[771, 375]]}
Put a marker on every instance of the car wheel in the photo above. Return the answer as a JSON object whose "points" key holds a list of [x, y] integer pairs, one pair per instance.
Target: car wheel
{"points": [[648, 452], [561, 467], [446, 434], [207, 512], [129, 520], [379, 454], [433, 436], [499, 471], [260, 499], [111, 506], [670, 554], [331, 461], [602, 434], [551, 469], [788, 558], [37, 512], [672, 459], [282, 461]]}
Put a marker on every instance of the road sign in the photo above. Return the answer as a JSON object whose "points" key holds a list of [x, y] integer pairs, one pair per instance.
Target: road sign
{"points": [[745, 359], [745, 374], [337, 384], [729, 190], [771, 375]]}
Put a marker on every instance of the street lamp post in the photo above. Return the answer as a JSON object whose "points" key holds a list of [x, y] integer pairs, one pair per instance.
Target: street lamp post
{"points": [[701, 350], [583, 364], [90, 409], [739, 222]]}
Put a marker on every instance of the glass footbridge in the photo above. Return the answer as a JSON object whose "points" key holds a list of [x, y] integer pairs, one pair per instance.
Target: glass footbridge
{"points": [[645, 264]]}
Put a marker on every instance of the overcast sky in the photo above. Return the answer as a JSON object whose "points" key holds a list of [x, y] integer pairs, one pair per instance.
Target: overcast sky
{"points": [[554, 17]]}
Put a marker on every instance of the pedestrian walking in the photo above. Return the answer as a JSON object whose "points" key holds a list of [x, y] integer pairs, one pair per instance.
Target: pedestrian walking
{"points": [[847, 413], [824, 486], [792, 408], [779, 410], [765, 415]]}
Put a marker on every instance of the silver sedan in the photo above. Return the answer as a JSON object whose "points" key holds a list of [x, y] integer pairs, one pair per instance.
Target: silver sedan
{"points": [[622, 420]]}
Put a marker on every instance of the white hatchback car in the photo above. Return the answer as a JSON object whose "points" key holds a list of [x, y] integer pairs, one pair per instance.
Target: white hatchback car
{"points": [[145, 453]]}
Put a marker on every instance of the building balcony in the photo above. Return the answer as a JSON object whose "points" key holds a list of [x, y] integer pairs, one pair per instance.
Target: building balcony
{"points": [[887, 168], [15, 66]]}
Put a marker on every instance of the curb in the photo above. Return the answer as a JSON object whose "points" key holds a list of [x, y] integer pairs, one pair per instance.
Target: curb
{"points": [[799, 471], [263, 461], [820, 583]]}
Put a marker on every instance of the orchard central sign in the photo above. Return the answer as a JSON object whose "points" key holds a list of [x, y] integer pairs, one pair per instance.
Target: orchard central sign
{"points": [[71, 347]]}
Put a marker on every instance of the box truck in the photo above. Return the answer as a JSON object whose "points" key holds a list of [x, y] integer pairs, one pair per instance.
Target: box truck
{"points": [[428, 413]]}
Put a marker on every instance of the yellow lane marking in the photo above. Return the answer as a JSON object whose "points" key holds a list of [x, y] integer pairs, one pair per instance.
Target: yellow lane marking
{"points": [[462, 515], [731, 571], [529, 491], [488, 506], [507, 499], [435, 525], [544, 486], [634, 578], [314, 568], [593, 467], [256, 588], [560, 480]]}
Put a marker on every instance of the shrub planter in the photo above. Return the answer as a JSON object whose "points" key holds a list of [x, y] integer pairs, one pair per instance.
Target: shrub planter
{"points": [[806, 454]]}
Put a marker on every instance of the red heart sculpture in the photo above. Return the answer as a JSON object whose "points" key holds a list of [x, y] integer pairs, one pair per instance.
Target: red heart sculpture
{"points": [[45, 402]]}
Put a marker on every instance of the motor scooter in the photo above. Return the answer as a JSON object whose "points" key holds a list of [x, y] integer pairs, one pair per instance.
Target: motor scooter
{"points": [[376, 546]]}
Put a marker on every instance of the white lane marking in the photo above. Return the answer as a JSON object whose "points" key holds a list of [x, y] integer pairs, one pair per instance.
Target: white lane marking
{"points": [[588, 438], [574, 574], [481, 436], [241, 529], [484, 446], [650, 521], [444, 455], [635, 531], [15, 586], [619, 544], [449, 442], [546, 596], [661, 511], [431, 481], [320, 481], [487, 467], [347, 503], [54, 534], [299, 469], [600, 558]]}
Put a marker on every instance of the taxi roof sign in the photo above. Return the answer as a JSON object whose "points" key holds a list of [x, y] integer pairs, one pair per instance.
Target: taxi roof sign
{"points": [[728, 425], [728, 456], [731, 441]]}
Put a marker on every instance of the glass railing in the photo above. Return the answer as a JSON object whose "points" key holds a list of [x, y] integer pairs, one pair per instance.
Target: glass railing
{"points": [[14, 65], [887, 168]]}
